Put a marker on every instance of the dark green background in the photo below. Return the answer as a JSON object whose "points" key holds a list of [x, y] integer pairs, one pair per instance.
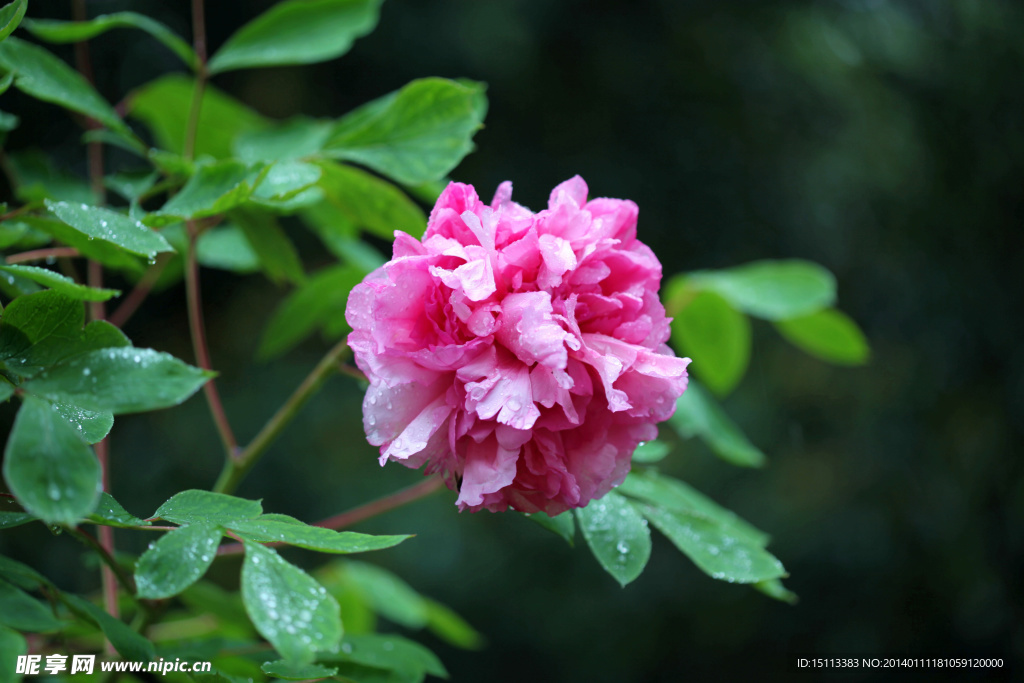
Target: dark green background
{"points": [[881, 139]]}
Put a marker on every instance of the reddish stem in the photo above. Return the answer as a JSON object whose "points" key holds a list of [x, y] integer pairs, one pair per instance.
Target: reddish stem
{"points": [[198, 329], [134, 299], [42, 254], [358, 514], [98, 312]]}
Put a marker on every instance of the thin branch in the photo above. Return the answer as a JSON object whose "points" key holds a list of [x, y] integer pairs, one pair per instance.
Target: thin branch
{"points": [[199, 45], [359, 514], [352, 371], [236, 468], [94, 277], [14, 213], [42, 254], [135, 298], [382, 505], [108, 560], [202, 353], [111, 571]]}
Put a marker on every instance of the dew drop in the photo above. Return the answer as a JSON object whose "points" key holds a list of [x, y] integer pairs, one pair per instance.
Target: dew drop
{"points": [[54, 492]]}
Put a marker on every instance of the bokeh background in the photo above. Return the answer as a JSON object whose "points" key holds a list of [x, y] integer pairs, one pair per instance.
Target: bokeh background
{"points": [[882, 139]]}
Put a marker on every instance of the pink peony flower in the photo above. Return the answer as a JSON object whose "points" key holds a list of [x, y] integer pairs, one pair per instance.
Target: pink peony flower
{"points": [[520, 355]]}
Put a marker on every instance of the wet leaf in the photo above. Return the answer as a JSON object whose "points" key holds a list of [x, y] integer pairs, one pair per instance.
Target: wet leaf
{"points": [[288, 607], [60, 283], [196, 506], [177, 560], [713, 548], [112, 227], [293, 532], [119, 380], [618, 536], [48, 467]]}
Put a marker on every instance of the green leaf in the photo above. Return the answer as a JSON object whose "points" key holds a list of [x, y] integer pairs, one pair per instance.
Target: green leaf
{"points": [[215, 188], [308, 308], [110, 513], [119, 380], [716, 337], [43, 328], [38, 329], [348, 248], [829, 335], [286, 179], [177, 560], [48, 467], [717, 552], [288, 607], [227, 248], [698, 414], [205, 597], [164, 106], [60, 283], [562, 524], [8, 122], [112, 227], [387, 594], [129, 644], [9, 520], [651, 451], [291, 671], [617, 535], [394, 653], [773, 588], [12, 643], [91, 425], [43, 76], [53, 31], [11, 15], [294, 139], [367, 201], [20, 610], [131, 184], [35, 178], [107, 253], [278, 257], [195, 507], [293, 532], [773, 290], [451, 628], [22, 575], [416, 134], [671, 494], [297, 32]]}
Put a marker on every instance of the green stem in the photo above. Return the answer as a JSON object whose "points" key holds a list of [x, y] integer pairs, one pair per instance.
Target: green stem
{"points": [[108, 560], [236, 468]]}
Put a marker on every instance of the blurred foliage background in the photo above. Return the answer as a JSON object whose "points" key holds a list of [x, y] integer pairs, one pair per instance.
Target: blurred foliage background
{"points": [[883, 139]]}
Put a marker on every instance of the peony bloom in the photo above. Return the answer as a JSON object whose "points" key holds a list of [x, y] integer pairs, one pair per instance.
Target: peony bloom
{"points": [[520, 355]]}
